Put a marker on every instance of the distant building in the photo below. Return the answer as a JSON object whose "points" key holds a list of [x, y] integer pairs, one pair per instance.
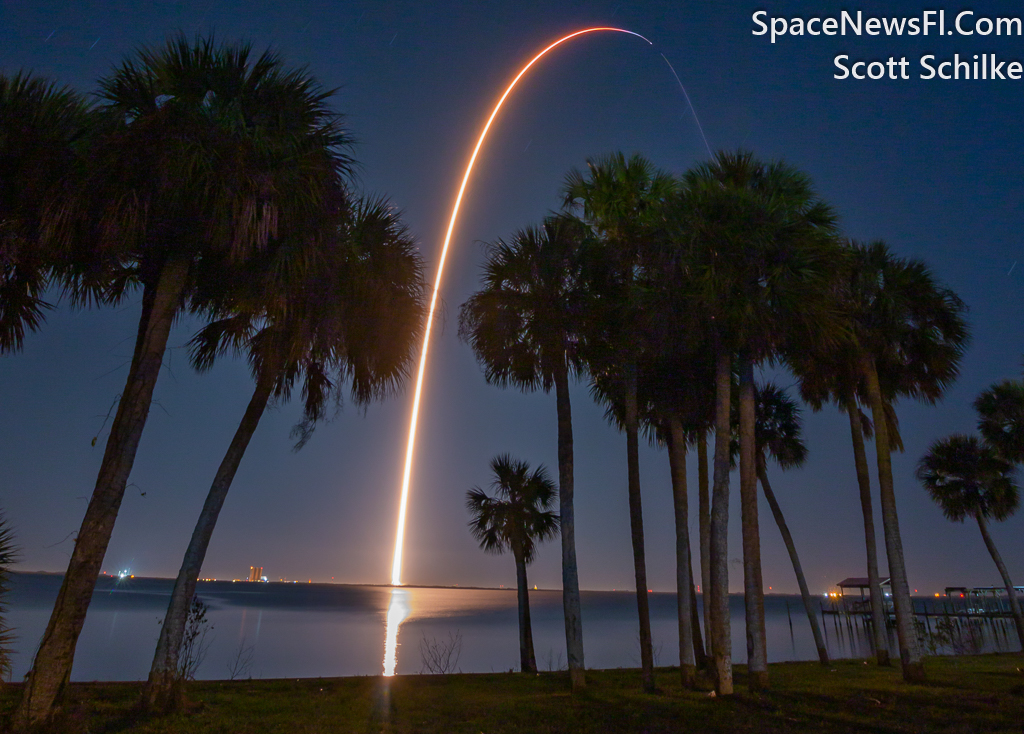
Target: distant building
{"points": [[255, 573]]}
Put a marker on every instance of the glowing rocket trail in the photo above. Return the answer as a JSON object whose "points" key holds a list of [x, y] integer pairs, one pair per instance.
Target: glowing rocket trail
{"points": [[396, 568], [695, 118]]}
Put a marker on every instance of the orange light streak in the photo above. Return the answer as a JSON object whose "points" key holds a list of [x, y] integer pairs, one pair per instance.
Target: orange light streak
{"points": [[396, 568]]}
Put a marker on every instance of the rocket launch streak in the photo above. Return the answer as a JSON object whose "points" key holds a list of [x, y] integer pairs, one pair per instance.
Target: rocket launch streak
{"points": [[396, 568]]}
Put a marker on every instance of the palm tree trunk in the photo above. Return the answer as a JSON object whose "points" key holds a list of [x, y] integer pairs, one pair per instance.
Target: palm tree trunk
{"points": [[527, 661], [51, 669], [718, 588], [636, 527], [161, 691], [684, 605], [1018, 620], [910, 651], [787, 538], [570, 576], [753, 588], [874, 580], [704, 526], [700, 657]]}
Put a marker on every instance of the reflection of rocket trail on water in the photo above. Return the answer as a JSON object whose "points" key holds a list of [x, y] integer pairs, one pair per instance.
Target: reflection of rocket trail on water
{"points": [[396, 568], [398, 611]]}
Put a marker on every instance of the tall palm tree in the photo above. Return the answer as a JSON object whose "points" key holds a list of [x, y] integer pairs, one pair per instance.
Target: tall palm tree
{"points": [[681, 397], [834, 375], [352, 314], [910, 333], [516, 519], [526, 326], [968, 478], [674, 406], [41, 127], [778, 436], [208, 157], [622, 201], [764, 253]]}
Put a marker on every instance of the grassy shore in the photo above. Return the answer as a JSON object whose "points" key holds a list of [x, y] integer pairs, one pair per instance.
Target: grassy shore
{"points": [[963, 694]]}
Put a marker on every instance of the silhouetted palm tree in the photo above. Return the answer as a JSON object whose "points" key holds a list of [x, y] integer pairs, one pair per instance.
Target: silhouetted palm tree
{"points": [[778, 436], [208, 157], [352, 314], [834, 375], [909, 331], [622, 200], [1001, 418], [764, 255], [674, 407], [968, 478], [679, 395], [525, 326], [515, 519], [40, 127]]}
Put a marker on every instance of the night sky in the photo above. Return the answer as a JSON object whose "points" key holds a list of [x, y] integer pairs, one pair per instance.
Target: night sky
{"points": [[932, 167]]}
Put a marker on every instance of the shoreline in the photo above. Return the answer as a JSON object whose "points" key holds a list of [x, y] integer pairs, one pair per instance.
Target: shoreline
{"points": [[845, 697]]}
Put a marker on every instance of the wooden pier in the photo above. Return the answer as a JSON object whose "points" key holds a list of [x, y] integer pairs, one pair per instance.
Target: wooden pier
{"points": [[962, 620], [982, 602]]}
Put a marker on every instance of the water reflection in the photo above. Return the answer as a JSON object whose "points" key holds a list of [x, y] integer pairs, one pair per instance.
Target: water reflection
{"points": [[398, 611], [325, 630]]}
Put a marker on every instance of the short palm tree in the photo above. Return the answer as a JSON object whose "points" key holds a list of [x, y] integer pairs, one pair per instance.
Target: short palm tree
{"points": [[207, 157], [526, 327], [968, 478], [352, 314], [1001, 418], [910, 335], [778, 437], [515, 518], [623, 202], [41, 127]]}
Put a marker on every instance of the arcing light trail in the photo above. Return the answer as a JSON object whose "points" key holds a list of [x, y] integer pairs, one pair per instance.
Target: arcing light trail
{"points": [[396, 568], [695, 118]]}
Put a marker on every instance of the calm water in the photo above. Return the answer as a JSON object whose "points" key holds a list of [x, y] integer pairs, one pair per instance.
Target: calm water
{"points": [[313, 630]]}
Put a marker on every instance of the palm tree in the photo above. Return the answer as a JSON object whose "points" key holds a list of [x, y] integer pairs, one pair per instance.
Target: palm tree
{"points": [[778, 436], [1001, 418], [525, 326], [686, 408], [674, 407], [207, 158], [833, 375], [516, 519], [764, 254], [910, 336], [8, 554], [968, 478], [622, 201], [353, 315], [41, 126]]}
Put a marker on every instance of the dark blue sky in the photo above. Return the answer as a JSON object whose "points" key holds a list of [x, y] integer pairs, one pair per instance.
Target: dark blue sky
{"points": [[932, 167]]}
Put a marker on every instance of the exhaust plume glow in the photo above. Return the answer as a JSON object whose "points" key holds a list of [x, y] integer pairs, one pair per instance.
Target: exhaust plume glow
{"points": [[398, 611], [396, 568]]}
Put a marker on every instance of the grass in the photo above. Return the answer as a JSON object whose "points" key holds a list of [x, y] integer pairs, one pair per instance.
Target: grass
{"points": [[962, 695]]}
